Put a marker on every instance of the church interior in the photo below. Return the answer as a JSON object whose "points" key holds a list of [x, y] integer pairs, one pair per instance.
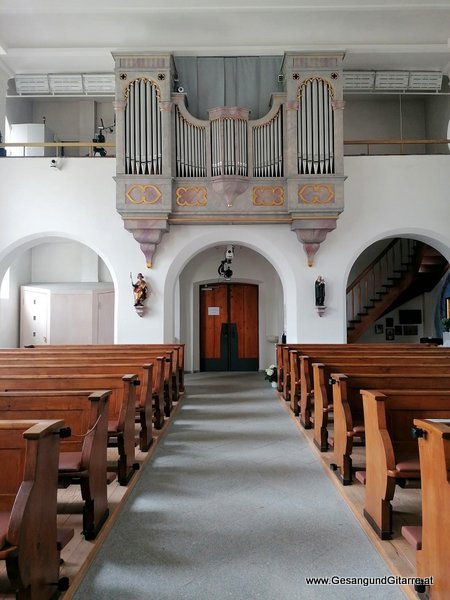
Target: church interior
{"points": [[224, 299]]}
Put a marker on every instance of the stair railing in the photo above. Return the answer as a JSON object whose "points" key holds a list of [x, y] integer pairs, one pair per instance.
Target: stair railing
{"points": [[379, 276]]}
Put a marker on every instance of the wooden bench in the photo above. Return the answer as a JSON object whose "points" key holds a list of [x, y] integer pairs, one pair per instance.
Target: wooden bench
{"points": [[148, 408], [174, 351], [121, 410], [170, 392], [323, 352], [29, 452], [83, 456], [349, 415], [432, 539], [392, 454], [321, 390], [317, 352]]}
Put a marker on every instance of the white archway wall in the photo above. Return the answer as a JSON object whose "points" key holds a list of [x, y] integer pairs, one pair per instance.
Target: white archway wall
{"points": [[384, 196], [249, 267]]}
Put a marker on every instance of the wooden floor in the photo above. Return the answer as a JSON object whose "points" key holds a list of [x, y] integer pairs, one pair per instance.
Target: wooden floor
{"points": [[79, 553]]}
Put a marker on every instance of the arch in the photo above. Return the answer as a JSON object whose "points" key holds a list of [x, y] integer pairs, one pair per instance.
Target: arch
{"points": [[16, 249], [422, 235], [251, 239]]}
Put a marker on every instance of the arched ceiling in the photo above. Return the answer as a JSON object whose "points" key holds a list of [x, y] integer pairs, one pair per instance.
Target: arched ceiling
{"points": [[54, 36]]}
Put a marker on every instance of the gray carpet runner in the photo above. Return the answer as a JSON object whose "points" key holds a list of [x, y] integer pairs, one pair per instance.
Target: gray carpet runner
{"points": [[234, 505]]}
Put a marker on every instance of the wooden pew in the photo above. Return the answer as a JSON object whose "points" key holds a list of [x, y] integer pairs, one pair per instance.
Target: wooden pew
{"points": [[322, 389], [392, 454], [147, 411], [83, 456], [175, 352], [349, 416], [29, 453], [318, 352], [433, 554], [121, 410], [110, 354]]}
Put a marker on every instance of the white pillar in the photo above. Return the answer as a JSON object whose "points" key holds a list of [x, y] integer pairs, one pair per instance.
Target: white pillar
{"points": [[3, 88]]}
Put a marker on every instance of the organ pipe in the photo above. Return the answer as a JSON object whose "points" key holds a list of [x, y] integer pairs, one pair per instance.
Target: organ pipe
{"points": [[268, 148], [143, 129], [190, 147], [315, 128]]}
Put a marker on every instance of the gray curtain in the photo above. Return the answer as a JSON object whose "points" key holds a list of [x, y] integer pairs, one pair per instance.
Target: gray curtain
{"points": [[245, 81]]}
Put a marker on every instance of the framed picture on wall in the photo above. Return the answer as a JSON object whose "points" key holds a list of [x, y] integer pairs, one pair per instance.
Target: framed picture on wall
{"points": [[410, 330], [379, 328], [389, 322], [398, 330], [390, 334]]}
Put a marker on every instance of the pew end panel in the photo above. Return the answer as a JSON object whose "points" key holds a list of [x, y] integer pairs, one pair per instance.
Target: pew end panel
{"points": [[348, 424], [322, 407], [433, 558], [294, 380], [306, 392], [31, 545], [392, 454]]}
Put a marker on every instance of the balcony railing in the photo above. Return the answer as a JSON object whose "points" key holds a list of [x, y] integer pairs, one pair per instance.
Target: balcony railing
{"points": [[395, 146], [360, 148], [57, 149]]}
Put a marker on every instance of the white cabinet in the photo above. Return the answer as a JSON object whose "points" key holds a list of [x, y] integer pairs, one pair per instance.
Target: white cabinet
{"points": [[67, 313], [31, 132]]}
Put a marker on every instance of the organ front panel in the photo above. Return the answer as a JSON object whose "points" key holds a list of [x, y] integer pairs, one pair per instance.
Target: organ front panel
{"points": [[173, 167]]}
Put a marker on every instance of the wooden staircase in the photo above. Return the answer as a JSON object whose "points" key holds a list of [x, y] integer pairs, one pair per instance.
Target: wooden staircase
{"points": [[404, 270]]}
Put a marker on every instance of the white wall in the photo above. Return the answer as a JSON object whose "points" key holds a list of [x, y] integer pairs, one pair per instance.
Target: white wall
{"points": [[247, 266], [384, 197], [18, 274]]}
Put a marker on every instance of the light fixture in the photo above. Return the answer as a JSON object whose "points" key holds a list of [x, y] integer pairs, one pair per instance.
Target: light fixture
{"points": [[425, 80], [224, 269], [66, 84], [32, 84], [400, 81], [103, 83], [70, 84], [359, 80], [391, 80]]}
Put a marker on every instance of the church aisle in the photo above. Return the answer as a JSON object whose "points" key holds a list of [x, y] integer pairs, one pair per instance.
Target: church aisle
{"points": [[233, 505]]}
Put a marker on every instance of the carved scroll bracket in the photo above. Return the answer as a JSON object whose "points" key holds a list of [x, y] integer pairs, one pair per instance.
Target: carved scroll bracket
{"points": [[148, 233], [230, 187], [311, 233]]}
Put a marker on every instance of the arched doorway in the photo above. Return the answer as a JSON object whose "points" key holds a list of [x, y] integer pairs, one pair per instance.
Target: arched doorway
{"points": [[250, 268], [229, 327], [70, 273], [393, 292]]}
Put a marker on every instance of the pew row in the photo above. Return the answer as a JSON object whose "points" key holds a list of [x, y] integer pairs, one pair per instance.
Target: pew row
{"points": [[322, 390], [317, 352], [121, 409], [122, 349], [432, 539], [29, 452], [83, 455], [300, 367], [149, 393], [349, 415], [392, 453], [170, 387]]}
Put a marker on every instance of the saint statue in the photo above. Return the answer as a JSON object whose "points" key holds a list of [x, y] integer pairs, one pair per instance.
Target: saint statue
{"points": [[320, 291], [140, 290]]}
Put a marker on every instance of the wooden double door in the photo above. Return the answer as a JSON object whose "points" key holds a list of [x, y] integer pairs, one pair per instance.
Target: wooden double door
{"points": [[229, 327]]}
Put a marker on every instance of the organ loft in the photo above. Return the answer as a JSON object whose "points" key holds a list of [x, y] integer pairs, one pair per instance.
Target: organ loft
{"points": [[174, 168]]}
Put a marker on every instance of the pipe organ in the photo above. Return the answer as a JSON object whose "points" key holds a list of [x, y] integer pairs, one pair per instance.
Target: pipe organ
{"points": [[315, 128], [143, 128], [286, 167]]}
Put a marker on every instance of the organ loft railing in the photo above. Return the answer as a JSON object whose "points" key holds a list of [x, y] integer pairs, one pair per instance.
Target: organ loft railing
{"points": [[285, 167]]}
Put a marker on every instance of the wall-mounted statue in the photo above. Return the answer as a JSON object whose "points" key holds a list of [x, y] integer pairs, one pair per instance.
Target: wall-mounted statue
{"points": [[320, 291], [140, 292]]}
